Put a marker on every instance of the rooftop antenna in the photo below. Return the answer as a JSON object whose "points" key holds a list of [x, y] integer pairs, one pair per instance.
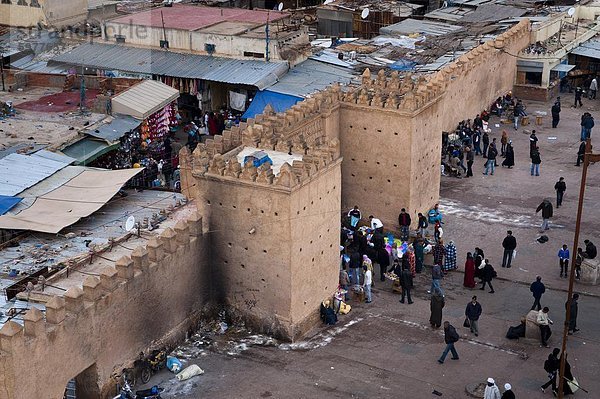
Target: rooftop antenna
{"points": [[164, 43]]}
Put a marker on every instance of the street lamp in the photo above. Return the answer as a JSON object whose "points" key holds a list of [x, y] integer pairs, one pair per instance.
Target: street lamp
{"points": [[588, 158]]}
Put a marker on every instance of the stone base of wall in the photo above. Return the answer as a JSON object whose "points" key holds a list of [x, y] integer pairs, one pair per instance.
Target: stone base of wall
{"points": [[275, 327]]}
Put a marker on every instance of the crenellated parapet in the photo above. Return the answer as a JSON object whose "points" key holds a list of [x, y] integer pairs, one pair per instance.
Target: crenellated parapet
{"points": [[76, 309]]}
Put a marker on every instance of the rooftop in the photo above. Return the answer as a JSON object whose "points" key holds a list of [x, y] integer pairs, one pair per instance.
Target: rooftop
{"points": [[37, 251], [169, 63], [40, 129], [188, 17]]}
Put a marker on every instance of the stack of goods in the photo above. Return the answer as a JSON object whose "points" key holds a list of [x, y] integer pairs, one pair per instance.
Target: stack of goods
{"points": [[156, 128]]}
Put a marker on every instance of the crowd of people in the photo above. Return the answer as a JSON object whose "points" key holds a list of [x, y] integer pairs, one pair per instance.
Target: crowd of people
{"points": [[366, 248]]}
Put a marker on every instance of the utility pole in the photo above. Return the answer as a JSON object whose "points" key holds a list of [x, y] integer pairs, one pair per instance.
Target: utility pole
{"points": [[267, 38], [588, 157], [2, 70]]}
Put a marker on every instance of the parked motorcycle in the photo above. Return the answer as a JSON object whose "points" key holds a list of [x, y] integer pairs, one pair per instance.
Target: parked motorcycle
{"points": [[150, 393], [144, 367]]}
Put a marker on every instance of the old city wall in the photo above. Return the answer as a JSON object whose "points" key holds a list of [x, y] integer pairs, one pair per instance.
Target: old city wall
{"points": [[274, 238], [390, 129], [147, 297], [315, 236]]}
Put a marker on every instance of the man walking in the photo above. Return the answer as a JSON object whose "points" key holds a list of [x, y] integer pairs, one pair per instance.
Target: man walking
{"points": [[536, 160], [436, 277], [509, 244], [578, 93], [563, 260], [491, 390], [544, 322], [555, 114], [573, 316], [450, 337], [404, 222], [491, 160], [547, 211], [580, 153], [593, 88], [533, 140], [472, 312], [487, 275], [537, 288], [406, 282], [587, 123], [551, 366], [560, 186]]}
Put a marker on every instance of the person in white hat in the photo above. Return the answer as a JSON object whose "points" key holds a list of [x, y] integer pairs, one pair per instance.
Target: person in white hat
{"points": [[491, 390], [508, 393]]}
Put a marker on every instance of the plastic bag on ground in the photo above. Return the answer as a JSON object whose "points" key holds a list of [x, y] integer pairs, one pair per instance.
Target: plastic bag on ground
{"points": [[173, 364], [189, 372]]}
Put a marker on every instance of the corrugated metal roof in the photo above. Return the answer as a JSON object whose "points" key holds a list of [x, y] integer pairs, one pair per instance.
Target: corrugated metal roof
{"points": [[22, 148], [18, 172], [144, 99], [449, 14], [115, 129], [591, 49], [88, 149], [410, 25], [311, 76], [493, 13], [160, 62], [54, 156]]}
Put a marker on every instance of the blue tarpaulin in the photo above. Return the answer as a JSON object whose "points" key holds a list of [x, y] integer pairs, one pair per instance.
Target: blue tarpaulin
{"points": [[6, 203], [279, 102], [403, 65]]}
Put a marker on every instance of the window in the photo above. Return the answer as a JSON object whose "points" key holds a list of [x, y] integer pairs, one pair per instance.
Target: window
{"points": [[253, 55]]}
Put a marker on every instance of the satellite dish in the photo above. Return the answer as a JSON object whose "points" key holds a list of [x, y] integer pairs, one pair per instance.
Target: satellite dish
{"points": [[280, 6], [328, 2], [365, 13], [571, 11], [130, 223]]}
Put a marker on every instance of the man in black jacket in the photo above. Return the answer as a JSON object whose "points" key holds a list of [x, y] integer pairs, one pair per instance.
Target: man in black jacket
{"points": [[450, 337], [551, 366], [537, 288], [573, 316], [555, 114], [590, 250], [580, 153], [509, 244], [560, 188], [547, 212], [404, 222], [472, 312], [406, 282]]}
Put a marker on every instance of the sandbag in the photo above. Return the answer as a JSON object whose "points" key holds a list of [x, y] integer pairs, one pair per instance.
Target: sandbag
{"points": [[189, 372]]}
